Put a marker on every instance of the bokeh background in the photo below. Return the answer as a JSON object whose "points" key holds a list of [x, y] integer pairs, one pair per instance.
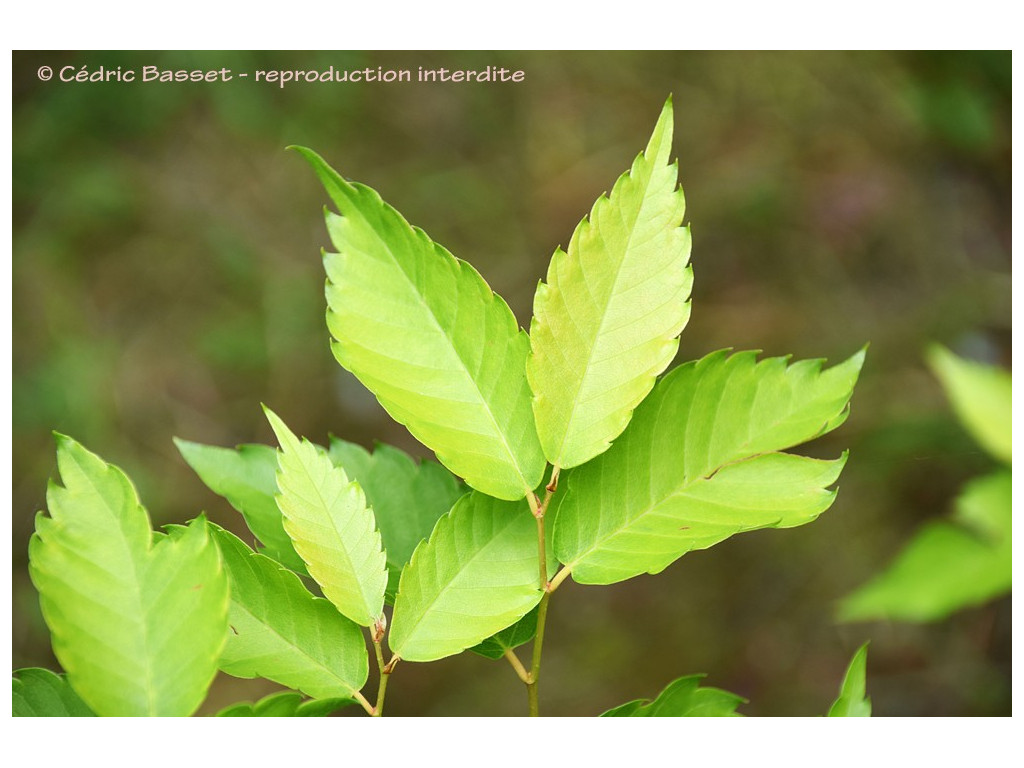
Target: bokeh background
{"points": [[167, 280]]}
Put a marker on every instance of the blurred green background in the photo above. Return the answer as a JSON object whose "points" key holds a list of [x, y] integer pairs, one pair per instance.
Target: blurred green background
{"points": [[167, 280]]}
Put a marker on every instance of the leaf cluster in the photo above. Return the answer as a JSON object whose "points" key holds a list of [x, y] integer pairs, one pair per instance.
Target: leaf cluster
{"points": [[562, 452]]}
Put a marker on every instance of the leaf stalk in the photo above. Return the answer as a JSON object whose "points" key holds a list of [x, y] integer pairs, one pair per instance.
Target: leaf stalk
{"points": [[517, 665]]}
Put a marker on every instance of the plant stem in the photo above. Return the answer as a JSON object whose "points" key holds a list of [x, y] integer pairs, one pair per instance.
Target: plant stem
{"points": [[378, 710], [538, 643], [539, 509], [382, 684], [542, 554], [377, 636], [517, 665]]}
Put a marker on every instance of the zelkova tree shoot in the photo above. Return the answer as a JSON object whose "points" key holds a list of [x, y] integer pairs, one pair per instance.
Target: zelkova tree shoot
{"points": [[562, 452]]}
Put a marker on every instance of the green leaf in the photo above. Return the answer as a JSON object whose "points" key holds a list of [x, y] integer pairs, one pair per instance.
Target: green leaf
{"points": [[980, 395], [137, 625], [984, 507], [407, 497], [423, 332], [606, 322], [520, 633], [283, 633], [475, 576], [333, 530], [853, 700], [700, 462], [683, 698], [247, 477], [41, 693], [949, 564], [285, 704]]}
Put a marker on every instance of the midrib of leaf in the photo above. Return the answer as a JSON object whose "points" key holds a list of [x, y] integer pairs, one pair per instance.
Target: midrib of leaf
{"points": [[327, 507], [302, 652], [448, 585], [135, 587], [607, 299], [464, 367]]}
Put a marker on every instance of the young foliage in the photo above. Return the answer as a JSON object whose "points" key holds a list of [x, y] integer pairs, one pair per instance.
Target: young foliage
{"points": [[853, 700], [138, 619], [332, 529], [653, 470], [285, 704], [442, 353], [966, 560], [475, 576], [283, 633], [247, 477], [701, 461], [683, 698], [407, 497], [606, 322], [41, 693]]}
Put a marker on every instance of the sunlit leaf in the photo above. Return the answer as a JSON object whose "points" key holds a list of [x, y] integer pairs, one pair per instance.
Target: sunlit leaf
{"points": [[853, 700], [283, 633], [606, 322], [683, 698], [332, 529], [138, 621], [423, 332], [476, 575], [41, 693], [701, 461], [407, 497]]}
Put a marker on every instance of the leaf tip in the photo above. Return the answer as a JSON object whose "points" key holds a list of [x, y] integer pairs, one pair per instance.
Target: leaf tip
{"points": [[858, 357], [185, 447], [667, 110], [63, 441], [306, 152], [284, 435], [660, 145]]}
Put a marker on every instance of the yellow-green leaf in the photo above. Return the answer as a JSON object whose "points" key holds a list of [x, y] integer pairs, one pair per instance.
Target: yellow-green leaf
{"points": [[331, 527], [422, 330], [701, 461], [474, 576], [283, 633], [606, 322], [138, 621]]}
